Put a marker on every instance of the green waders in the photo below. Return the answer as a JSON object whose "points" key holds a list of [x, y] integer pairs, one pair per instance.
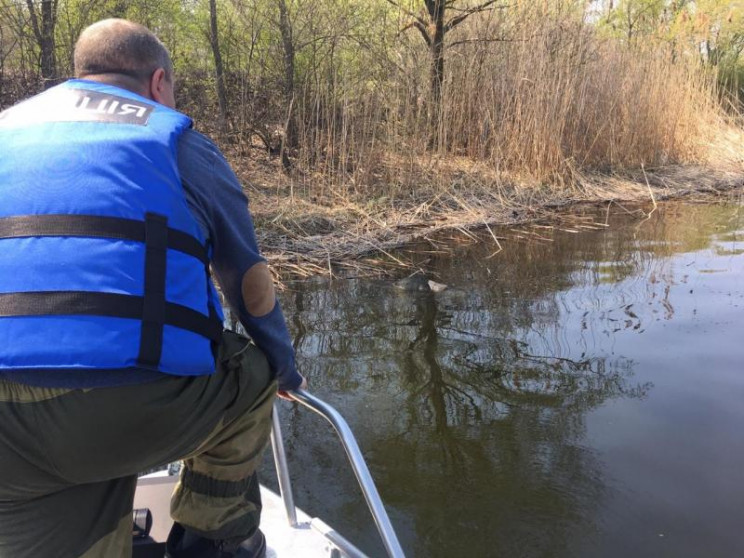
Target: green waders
{"points": [[69, 459]]}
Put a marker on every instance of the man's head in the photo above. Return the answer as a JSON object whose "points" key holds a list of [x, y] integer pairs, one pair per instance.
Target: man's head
{"points": [[128, 55]]}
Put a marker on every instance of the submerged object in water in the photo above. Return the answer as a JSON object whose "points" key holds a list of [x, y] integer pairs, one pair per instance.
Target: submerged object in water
{"points": [[418, 282]]}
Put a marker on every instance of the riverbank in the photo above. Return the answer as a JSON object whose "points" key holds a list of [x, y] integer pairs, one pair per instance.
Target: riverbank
{"points": [[308, 227]]}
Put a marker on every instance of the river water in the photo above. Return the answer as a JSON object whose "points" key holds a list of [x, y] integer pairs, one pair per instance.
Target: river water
{"points": [[579, 393]]}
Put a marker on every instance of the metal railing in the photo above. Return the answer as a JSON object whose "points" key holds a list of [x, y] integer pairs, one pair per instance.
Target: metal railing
{"points": [[374, 502]]}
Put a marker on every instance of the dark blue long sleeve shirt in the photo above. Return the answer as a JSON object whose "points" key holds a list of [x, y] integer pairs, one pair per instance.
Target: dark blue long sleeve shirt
{"points": [[216, 199]]}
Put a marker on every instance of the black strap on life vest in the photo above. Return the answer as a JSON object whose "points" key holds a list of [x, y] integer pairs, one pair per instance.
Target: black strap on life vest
{"points": [[94, 226], [84, 303], [152, 308]]}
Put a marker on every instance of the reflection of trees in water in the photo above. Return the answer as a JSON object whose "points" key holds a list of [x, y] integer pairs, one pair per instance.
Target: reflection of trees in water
{"points": [[457, 375], [480, 424], [503, 426]]}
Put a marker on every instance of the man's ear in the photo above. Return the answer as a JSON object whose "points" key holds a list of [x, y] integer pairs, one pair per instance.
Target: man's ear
{"points": [[161, 89]]}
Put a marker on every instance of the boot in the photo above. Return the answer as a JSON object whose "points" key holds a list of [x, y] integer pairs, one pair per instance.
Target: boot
{"points": [[184, 543]]}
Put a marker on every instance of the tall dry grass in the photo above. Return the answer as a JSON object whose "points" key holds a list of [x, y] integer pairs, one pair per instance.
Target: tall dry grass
{"points": [[543, 99], [566, 101]]}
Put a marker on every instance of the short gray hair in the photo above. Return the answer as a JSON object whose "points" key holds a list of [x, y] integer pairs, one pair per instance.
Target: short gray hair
{"points": [[122, 47]]}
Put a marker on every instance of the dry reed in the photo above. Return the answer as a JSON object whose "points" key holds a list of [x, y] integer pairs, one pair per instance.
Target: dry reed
{"points": [[548, 103]]}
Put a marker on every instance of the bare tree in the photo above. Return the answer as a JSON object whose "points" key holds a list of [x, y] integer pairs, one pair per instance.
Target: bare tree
{"points": [[43, 22], [433, 25], [285, 28], [4, 52], [284, 138], [214, 43]]}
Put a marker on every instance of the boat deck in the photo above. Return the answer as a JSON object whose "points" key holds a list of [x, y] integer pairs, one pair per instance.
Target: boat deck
{"points": [[310, 538]]}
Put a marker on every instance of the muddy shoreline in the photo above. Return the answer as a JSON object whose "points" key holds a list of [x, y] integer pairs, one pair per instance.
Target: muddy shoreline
{"points": [[304, 235]]}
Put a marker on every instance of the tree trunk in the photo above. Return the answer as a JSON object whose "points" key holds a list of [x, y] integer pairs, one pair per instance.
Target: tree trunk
{"points": [[2, 65], [437, 81], [290, 130], [436, 12], [48, 55], [44, 35], [218, 66]]}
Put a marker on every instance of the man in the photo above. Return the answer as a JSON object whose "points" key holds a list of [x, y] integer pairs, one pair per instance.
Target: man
{"points": [[112, 355]]}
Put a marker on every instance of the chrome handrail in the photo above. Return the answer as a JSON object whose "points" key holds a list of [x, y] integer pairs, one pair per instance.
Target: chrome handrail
{"points": [[374, 502], [282, 469]]}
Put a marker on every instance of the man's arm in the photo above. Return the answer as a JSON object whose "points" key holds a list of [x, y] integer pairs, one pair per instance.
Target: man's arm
{"points": [[264, 315], [219, 205]]}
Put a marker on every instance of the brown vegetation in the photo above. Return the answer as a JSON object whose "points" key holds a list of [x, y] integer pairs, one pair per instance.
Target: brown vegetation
{"points": [[304, 235]]}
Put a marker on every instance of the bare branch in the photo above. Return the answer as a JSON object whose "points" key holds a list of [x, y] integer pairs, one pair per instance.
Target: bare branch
{"points": [[34, 20], [455, 21], [424, 33], [409, 13], [299, 45], [421, 29], [492, 40]]}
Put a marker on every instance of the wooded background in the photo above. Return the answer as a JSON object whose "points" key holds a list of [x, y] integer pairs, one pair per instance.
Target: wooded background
{"points": [[356, 92]]}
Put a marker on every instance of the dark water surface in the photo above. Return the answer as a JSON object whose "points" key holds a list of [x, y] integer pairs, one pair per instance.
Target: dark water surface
{"points": [[581, 395]]}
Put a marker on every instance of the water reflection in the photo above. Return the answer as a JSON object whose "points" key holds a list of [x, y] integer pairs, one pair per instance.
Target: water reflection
{"points": [[471, 404]]}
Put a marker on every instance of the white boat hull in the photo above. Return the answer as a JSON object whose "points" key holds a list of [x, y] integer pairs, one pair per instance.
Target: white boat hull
{"points": [[310, 538]]}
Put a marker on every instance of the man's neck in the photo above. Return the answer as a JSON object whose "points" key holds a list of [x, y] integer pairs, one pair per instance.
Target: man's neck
{"points": [[119, 80]]}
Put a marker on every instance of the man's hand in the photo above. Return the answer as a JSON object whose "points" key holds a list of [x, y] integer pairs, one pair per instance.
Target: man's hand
{"points": [[285, 396]]}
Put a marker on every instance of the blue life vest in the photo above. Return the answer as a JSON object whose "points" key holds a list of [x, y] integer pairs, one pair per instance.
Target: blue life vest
{"points": [[102, 265]]}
